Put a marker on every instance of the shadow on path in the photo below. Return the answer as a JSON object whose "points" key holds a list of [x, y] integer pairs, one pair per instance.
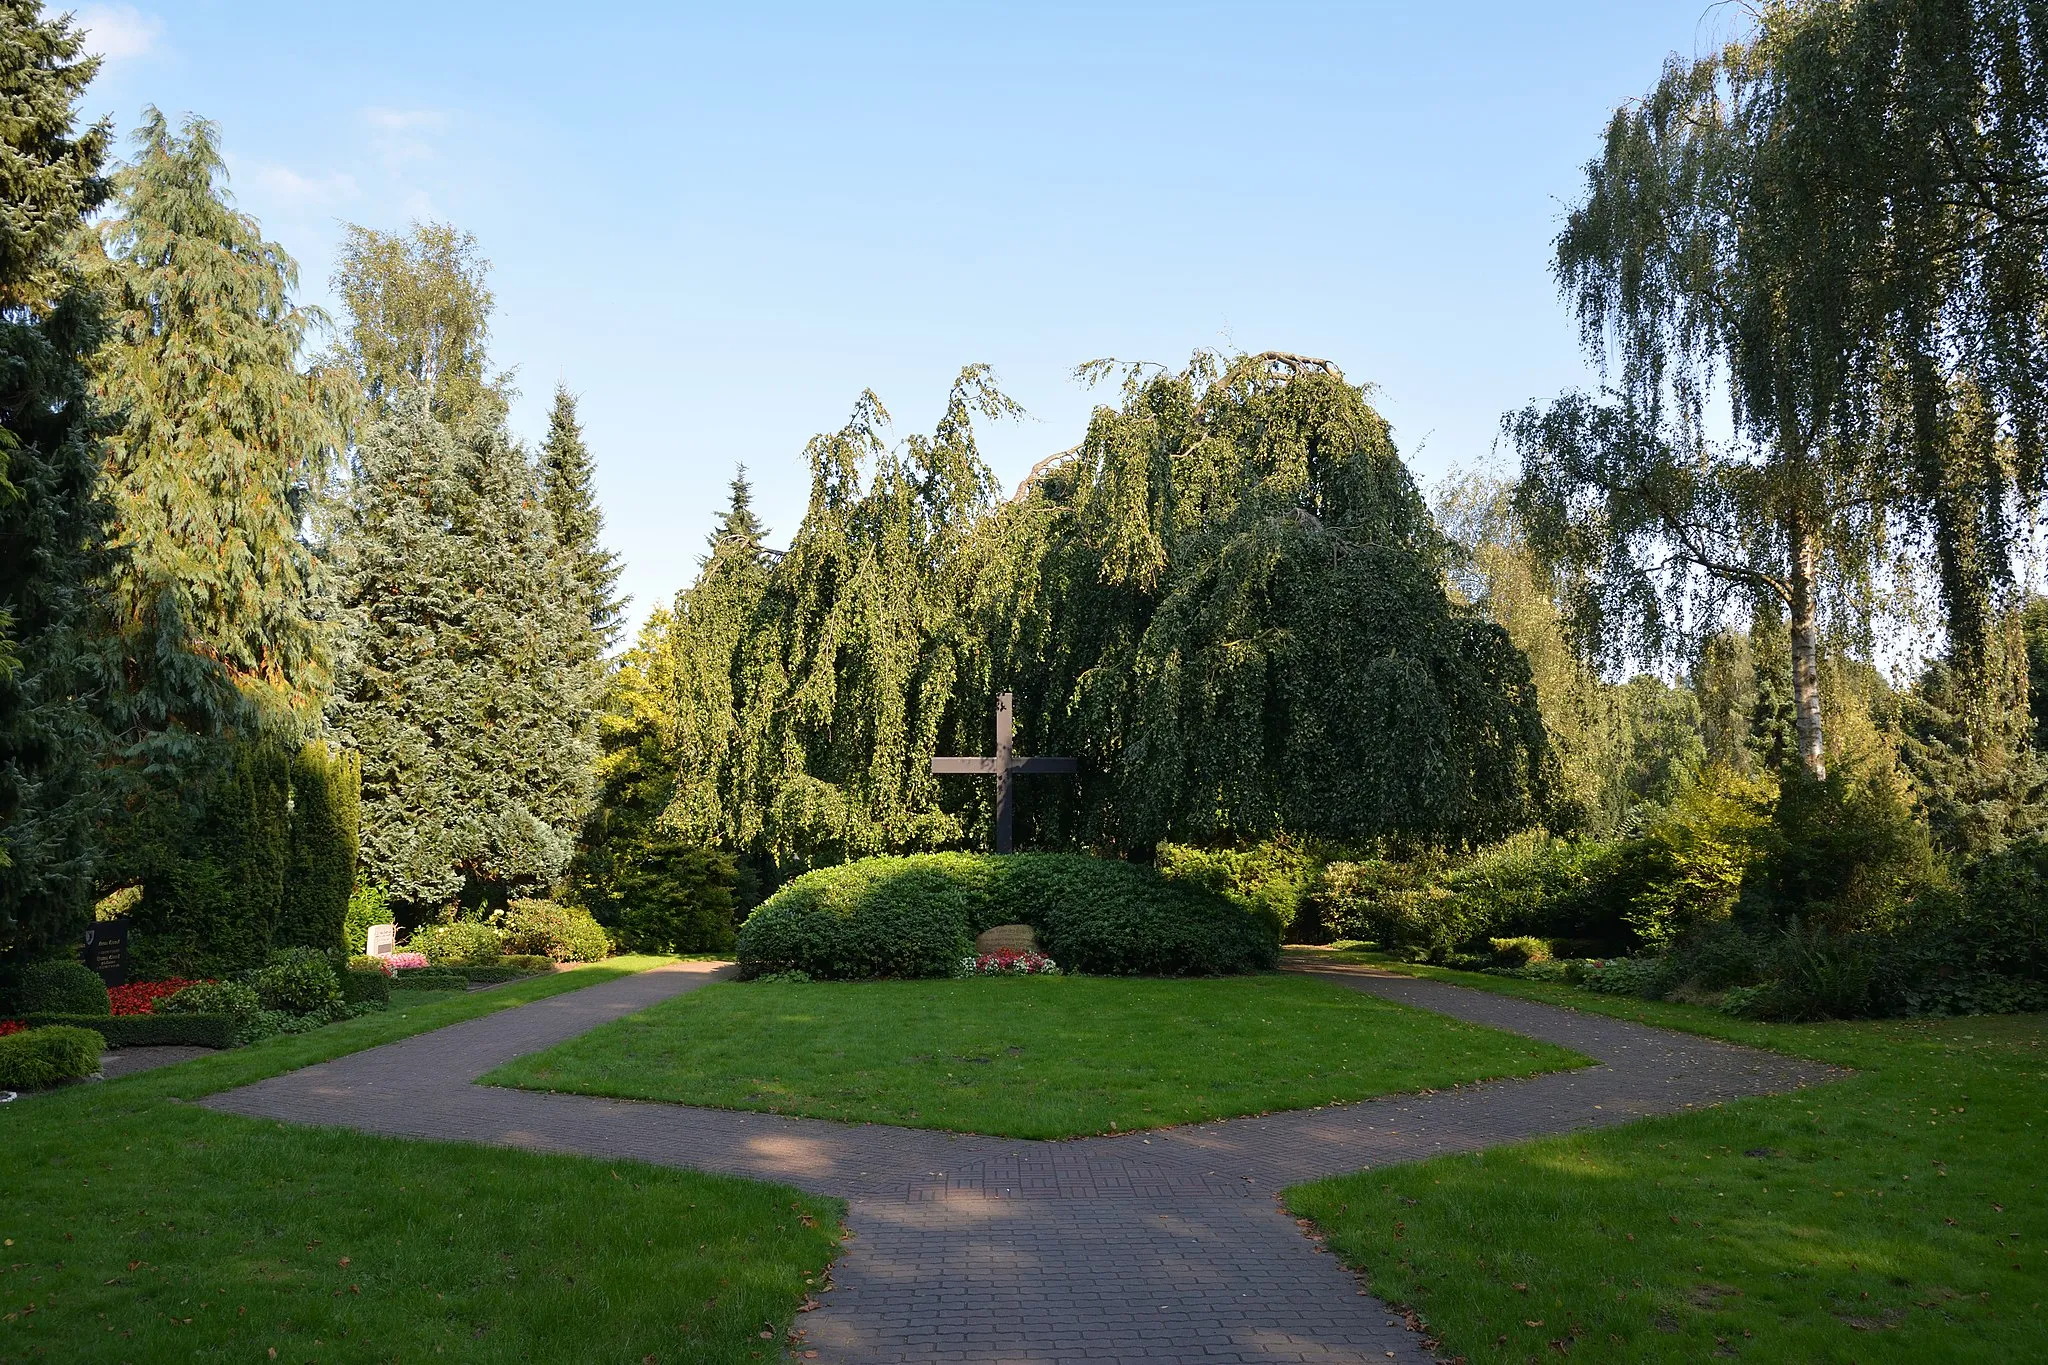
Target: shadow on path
{"points": [[1167, 1245]]}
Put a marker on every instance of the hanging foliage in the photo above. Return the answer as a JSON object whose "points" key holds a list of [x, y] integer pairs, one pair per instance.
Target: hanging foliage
{"points": [[1227, 601]]}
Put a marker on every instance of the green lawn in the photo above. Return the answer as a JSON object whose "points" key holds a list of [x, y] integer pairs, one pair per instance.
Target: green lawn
{"points": [[1894, 1216], [136, 1227], [1044, 1057]]}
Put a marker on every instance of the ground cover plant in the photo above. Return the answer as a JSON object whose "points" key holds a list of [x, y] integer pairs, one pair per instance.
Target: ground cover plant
{"points": [[175, 1230], [1028, 1057], [1895, 1215]]}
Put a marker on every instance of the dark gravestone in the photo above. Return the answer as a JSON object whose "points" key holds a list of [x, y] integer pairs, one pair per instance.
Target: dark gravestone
{"points": [[106, 950], [1005, 767]]}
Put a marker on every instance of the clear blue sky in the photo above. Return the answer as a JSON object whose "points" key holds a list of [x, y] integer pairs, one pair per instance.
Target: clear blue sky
{"points": [[719, 223]]}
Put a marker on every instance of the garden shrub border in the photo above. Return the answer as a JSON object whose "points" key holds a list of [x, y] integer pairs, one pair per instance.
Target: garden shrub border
{"points": [[916, 916], [148, 1030]]}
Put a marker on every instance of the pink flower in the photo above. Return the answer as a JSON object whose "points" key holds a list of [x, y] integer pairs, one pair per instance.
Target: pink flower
{"points": [[399, 962]]}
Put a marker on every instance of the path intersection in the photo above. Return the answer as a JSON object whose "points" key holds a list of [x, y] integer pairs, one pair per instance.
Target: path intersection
{"points": [[1168, 1245]]}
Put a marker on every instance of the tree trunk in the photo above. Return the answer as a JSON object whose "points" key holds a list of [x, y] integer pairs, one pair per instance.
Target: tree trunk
{"points": [[1805, 649]]}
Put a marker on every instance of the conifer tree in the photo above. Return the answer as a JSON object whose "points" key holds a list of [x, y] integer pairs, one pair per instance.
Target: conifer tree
{"points": [[223, 439], [320, 865], [53, 545], [566, 470], [467, 697], [669, 729]]}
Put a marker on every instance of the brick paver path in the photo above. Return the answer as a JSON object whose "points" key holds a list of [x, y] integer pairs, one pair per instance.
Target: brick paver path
{"points": [[1160, 1246]]}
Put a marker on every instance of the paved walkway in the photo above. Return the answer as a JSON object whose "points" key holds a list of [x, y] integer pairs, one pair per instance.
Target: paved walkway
{"points": [[1161, 1246]]}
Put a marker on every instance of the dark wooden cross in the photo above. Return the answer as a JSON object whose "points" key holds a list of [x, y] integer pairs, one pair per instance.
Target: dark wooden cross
{"points": [[1005, 767]]}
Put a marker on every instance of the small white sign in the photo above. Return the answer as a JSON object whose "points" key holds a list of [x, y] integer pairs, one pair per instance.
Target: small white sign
{"points": [[383, 940]]}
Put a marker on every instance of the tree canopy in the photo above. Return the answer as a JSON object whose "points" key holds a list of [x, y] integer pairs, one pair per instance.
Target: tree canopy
{"points": [[1161, 600], [1841, 225]]}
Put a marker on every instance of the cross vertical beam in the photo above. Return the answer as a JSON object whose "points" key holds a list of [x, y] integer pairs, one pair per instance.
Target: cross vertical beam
{"points": [[1006, 768]]}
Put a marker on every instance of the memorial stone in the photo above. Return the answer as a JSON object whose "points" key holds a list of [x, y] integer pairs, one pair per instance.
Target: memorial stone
{"points": [[106, 950], [382, 940]]}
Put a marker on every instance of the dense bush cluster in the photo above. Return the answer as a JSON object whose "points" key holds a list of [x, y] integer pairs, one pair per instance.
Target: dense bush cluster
{"points": [[1799, 899], [917, 917], [554, 932]]}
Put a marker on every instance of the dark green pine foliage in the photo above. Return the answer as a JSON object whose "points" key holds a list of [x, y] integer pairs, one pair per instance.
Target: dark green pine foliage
{"points": [[320, 866], [53, 542], [566, 471], [214, 908], [1978, 778], [469, 693]]}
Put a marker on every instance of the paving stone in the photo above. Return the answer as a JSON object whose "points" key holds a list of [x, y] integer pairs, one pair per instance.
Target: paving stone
{"points": [[1162, 1246]]}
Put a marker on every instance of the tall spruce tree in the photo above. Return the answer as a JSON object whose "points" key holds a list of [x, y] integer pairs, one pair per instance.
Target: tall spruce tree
{"points": [[53, 545], [224, 440], [468, 696], [566, 471]]}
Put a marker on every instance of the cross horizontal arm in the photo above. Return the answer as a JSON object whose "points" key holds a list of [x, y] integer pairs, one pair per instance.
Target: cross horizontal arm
{"points": [[982, 766], [1029, 766]]}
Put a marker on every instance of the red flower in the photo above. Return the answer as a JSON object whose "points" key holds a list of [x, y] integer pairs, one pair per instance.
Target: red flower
{"points": [[8, 1026], [140, 997]]}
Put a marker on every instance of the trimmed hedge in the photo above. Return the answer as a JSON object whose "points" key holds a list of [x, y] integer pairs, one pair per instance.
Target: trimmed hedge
{"points": [[37, 1057], [149, 1030], [365, 984], [454, 978], [63, 985], [917, 917], [429, 979]]}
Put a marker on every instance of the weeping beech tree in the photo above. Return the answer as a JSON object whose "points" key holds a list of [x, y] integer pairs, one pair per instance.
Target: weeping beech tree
{"points": [[1842, 225], [1228, 600], [1229, 603]]}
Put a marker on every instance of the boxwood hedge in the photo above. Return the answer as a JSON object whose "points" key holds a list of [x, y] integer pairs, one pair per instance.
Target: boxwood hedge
{"points": [[149, 1030], [917, 916]]}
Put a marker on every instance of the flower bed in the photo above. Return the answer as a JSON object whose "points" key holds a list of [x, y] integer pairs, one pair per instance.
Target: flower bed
{"points": [[1009, 962], [8, 1026], [398, 962], [140, 997]]}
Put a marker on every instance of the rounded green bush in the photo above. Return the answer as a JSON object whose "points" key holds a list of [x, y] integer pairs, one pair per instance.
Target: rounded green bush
{"points": [[296, 981], [37, 1057], [561, 933], [917, 917], [63, 986], [230, 998], [465, 943]]}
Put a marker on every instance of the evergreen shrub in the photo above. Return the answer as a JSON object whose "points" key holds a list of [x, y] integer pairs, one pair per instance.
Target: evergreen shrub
{"points": [[917, 916], [526, 964], [228, 999], [62, 985], [429, 979], [675, 896], [552, 931], [37, 1057], [368, 905], [1272, 877], [320, 863], [460, 943], [296, 981], [150, 1030], [365, 986]]}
